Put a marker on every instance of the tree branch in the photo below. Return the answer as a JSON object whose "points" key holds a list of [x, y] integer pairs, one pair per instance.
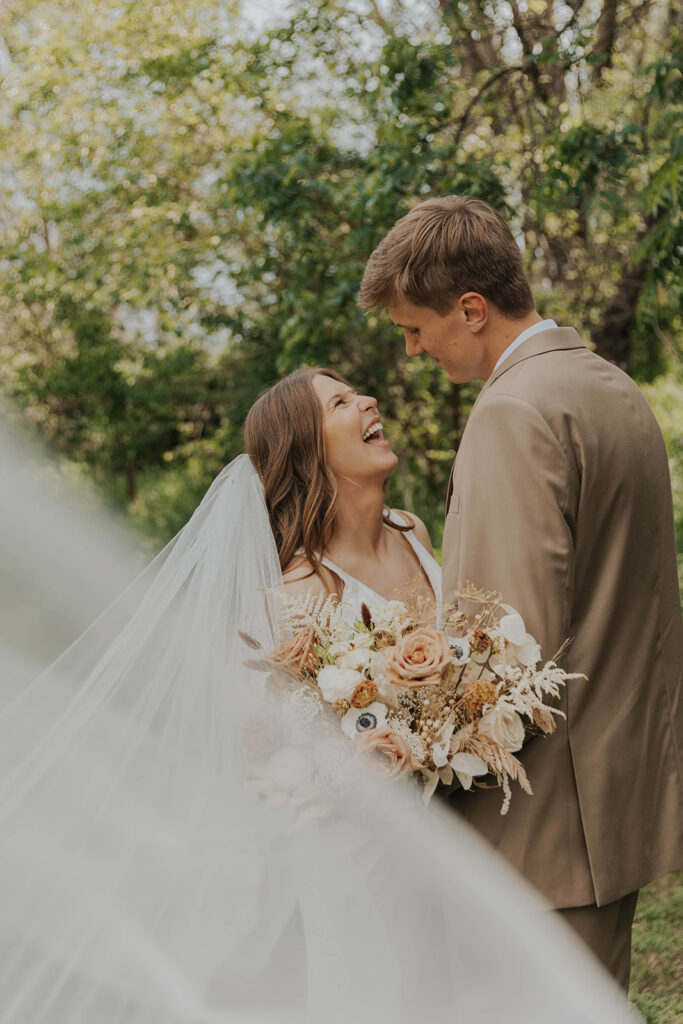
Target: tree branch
{"points": [[605, 39], [576, 10], [527, 50], [462, 122], [483, 53]]}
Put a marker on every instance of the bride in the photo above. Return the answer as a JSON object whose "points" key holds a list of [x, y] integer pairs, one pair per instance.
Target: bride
{"points": [[320, 452], [140, 881]]}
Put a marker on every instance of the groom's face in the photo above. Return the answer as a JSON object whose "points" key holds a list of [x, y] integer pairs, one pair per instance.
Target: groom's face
{"points": [[450, 340]]}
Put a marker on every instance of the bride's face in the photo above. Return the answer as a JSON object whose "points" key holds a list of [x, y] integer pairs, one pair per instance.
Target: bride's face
{"points": [[352, 429]]}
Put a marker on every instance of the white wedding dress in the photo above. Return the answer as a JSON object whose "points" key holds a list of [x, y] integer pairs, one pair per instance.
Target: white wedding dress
{"points": [[140, 883], [356, 593]]}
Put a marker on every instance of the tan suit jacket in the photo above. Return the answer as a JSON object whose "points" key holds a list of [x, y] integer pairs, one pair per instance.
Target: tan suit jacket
{"points": [[560, 499]]}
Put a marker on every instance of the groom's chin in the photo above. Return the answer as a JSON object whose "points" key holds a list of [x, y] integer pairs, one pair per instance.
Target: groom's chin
{"points": [[462, 377]]}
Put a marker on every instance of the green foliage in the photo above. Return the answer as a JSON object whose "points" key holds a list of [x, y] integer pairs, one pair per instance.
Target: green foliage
{"points": [[655, 975], [190, 205], [665, 397]]}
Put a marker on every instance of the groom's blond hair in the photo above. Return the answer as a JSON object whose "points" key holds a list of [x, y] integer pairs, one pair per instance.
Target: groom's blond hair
{"points": [[443, 248]]}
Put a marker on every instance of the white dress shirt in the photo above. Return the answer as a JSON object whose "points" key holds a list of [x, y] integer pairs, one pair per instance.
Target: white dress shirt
{"points": [[534, 329]]}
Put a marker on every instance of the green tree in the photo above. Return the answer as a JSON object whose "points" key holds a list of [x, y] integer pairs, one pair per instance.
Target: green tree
{"points": [[189, 204]]}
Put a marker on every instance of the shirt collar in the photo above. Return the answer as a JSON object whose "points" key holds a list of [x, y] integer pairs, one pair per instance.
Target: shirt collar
{"points": [[534, 329]]}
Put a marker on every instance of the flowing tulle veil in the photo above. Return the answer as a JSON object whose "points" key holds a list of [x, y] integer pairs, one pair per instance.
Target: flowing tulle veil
{"points": [[144, 877]]}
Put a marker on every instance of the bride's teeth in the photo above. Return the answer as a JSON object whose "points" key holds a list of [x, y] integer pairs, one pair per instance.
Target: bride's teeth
{"points": [[374, 429]]}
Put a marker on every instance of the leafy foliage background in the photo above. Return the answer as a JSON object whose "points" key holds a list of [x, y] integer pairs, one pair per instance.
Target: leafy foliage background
{"points": [[189, 192], [189, 196]]}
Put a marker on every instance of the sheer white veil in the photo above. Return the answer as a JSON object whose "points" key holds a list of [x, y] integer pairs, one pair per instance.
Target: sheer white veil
{"points": [[141, 879]]}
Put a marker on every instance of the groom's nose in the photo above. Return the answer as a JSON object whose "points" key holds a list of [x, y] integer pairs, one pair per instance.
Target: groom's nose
{"points": [[413, 346]]}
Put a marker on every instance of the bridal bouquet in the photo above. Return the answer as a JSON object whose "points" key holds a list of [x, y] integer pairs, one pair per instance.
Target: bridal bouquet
{"points": [[440, 703]]}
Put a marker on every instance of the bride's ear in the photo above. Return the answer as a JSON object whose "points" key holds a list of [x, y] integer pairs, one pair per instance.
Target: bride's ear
{"points": [[476, 310]]}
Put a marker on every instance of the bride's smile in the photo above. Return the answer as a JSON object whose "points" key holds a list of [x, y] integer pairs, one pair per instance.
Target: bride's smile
{"points": [[350, 421]]}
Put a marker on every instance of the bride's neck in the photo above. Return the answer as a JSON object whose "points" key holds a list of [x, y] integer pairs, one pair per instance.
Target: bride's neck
{"points": [[358, 519]]}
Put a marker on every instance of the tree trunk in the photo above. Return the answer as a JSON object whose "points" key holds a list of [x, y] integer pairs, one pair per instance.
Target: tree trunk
{"points": [[456, 415], [131, 489], [612, 338], [606, 36]]}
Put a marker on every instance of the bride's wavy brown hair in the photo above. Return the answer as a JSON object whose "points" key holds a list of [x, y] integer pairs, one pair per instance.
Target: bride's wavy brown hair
{"points": [[283, 437]]}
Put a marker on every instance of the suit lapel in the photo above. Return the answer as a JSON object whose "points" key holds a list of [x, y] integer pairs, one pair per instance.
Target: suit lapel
{"points": [[449, 492], [552, 340]]}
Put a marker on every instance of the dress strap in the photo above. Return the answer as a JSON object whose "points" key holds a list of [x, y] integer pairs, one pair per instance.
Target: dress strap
{"points": [[333, 567], [429, 564]]}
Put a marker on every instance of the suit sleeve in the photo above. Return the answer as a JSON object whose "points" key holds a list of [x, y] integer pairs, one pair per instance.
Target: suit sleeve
{"points": [[509, 524]]}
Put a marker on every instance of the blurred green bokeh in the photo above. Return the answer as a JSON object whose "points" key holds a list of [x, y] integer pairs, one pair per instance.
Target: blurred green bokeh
{"points": [[189, 196]]}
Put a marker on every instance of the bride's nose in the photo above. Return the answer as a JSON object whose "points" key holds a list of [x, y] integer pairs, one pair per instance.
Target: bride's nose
{"points": [[366, 402]]}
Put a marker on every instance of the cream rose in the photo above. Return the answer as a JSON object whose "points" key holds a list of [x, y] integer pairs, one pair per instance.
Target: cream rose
{"points": [[362, 660], [503, 726], [392, 617], [397, 758], [419, 659], [356, 659], [338, 683]]}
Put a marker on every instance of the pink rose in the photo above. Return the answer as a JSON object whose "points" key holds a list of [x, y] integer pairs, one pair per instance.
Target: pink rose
{"points": [[398, 759], [418, 659], [298, 655]]}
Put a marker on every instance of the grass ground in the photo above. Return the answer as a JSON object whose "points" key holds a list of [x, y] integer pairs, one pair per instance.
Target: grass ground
{"points": [[657, 971]]}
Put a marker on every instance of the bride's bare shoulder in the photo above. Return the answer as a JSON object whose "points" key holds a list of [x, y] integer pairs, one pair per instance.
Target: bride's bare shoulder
{"points": [[300, 578], [421, 531]]}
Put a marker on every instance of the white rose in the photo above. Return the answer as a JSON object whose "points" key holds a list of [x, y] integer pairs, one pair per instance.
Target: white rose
{"points": [[338, 683], [503, 726], [391, 617], [357, 659], [363, 640], [336, 649]]}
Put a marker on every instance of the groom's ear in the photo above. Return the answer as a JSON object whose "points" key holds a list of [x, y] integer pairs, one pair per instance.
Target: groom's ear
{"points": [[476, 310]]}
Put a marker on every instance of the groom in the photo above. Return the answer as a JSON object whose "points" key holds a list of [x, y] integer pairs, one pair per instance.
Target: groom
{"points": [[560, 499]]}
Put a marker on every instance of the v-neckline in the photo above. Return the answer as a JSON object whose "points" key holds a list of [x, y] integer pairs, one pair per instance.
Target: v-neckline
{"points": [[343, 575]]}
